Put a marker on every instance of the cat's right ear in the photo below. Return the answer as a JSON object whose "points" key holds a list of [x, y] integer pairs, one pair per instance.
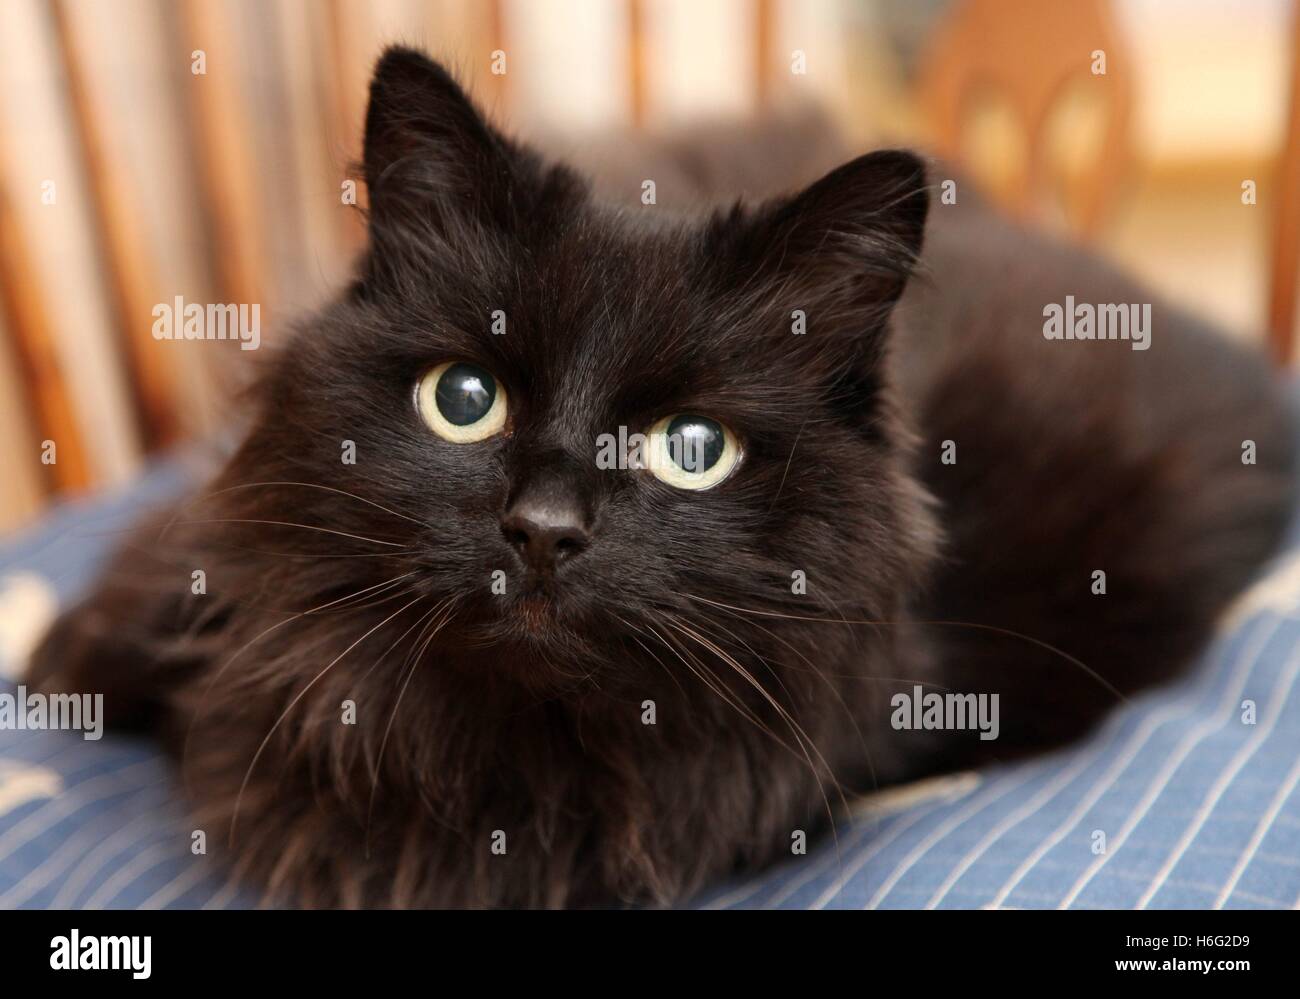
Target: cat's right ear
{"points": [[430, 156], [845, 246]]}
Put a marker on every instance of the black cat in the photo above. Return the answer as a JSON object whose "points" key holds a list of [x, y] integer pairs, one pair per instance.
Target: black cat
{"points": [[447, 656]]}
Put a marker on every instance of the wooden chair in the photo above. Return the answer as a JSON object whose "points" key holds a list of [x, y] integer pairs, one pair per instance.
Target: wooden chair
{"points": [[1025, 54]]}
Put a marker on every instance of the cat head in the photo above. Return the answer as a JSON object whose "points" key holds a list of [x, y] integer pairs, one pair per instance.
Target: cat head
{"points": [[577, 429]]}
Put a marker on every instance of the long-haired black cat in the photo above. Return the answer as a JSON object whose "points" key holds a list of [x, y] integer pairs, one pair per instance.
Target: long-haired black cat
{"points": [[446, 656]]}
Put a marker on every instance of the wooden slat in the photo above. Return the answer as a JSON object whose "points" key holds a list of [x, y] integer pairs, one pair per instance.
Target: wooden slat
{"points": [[637, 60], [349, 79], [303, 41], [37, 358], [131, 276], [1286, 234], [764, 30], [24, 494], [223, 154], [497, 38]]}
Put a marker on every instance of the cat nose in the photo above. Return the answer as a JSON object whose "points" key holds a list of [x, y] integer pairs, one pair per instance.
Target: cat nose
{"points": [[545, 529]]}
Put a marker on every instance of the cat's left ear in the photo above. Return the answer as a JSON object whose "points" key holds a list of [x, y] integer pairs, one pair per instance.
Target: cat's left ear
{"points": [[428, 150], [842, 249]]}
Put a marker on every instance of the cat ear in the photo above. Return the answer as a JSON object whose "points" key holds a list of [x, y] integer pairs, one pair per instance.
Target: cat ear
{"points": [[427, 148], [844, 247]]}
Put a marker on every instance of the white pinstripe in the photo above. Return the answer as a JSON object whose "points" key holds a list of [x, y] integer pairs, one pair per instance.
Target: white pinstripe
{"points": [[1261, 830], [1279, 696], [93, 863], [224, 894], [904, 823], [1260, 900], [179, 885], [954, 821], [50, 759], [1186, 745], [758, 882], [72, 800], [958, 786], [954, 786], [1241, 670], [126, 875], [66, 855], [1044, 795], [877, 844]]}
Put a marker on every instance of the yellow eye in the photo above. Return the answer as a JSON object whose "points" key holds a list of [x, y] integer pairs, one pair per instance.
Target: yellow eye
{"points": [[691, 452], [461, 402]]}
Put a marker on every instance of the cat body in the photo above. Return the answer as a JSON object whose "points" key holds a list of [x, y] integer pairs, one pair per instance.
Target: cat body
{"points": [[492, 673]]}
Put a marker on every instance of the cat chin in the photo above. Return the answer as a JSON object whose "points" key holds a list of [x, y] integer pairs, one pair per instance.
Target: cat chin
{"points": [[528, 641], [532, 620], [534, 614]]}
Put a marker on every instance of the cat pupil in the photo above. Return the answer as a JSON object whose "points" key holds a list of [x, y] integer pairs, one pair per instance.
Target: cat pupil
{"points": [[695, 442], [465, 394]]}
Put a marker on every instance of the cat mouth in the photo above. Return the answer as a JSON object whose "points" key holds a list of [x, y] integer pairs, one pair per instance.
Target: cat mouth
{"points": [[534, 617]]}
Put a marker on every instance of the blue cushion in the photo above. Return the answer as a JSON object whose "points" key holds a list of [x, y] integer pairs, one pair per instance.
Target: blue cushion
{"points": [[1177, 801]]}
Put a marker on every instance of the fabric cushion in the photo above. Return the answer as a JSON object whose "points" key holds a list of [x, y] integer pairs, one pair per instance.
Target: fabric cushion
{"points": [[1179, 800]]}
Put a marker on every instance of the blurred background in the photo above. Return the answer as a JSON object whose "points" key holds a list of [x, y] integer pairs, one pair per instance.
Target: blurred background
{"points": [[206, 149]]}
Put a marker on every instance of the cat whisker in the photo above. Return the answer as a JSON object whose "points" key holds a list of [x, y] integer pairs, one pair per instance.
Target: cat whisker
{"points": [[399, 553], [387, 652], [207, 690], [790, 460], [700, 627], [994, 629], [234, 817], [712, 684], [443, 608], [648, 651], [800, 734], [311, 485], [811, 667], [285, 523], [849, 815], [795, 730], [149, 584], [821, 675]]}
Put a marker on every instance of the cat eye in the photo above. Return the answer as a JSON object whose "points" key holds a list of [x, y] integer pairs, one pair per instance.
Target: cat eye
{"points": [[692, 452], [461, 402]]}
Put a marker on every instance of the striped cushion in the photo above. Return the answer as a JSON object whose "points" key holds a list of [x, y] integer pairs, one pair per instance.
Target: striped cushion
{"points": [[1176, 801]]}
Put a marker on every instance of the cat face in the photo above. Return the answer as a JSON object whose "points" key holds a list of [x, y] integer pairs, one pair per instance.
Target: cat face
{"points": [[507, 340]]}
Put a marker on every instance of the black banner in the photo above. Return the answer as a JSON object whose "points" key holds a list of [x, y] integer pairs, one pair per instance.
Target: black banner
{"points": [[209, 949]]}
